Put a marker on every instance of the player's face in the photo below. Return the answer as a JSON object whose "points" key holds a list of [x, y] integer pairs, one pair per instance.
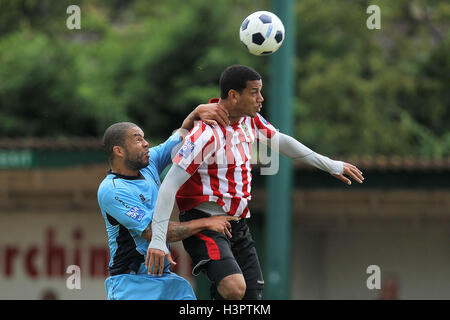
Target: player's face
{"points": [[250, 100], [136, 149]]}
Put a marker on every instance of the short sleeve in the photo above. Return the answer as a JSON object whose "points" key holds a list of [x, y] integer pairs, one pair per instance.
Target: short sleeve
{"points": [[263, 127], [197, 148], [161, 155], [126, 209]]}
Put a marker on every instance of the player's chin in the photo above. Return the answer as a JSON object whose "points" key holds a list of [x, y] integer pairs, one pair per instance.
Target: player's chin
{"points": [[143, 163]]}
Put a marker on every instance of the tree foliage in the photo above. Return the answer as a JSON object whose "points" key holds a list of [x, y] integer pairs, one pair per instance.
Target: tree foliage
{"points": [[358, 91]]}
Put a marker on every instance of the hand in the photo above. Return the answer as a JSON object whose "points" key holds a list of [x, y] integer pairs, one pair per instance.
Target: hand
{"points": [[155, 261], [351, 171], [220, 224], [213, 114]]}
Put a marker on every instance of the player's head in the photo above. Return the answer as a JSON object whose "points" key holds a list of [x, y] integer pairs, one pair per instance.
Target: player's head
{"points": [[241, 86], [124, 142]]}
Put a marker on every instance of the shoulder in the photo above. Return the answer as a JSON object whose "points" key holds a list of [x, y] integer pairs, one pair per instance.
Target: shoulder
{"points": [[154, 153], [104, 186], [111, 188], [204, 131], [203, 126], [260, 118], [150, 172], [262, 123]]}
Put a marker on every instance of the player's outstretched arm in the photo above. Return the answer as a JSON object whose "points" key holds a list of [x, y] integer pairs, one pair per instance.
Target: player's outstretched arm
{"points": [[211, 113], [178, 231], [295, 150]]}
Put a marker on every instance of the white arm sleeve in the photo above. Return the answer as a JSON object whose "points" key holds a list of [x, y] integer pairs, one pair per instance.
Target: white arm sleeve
{"points": [[173, 181], [297, 151]]}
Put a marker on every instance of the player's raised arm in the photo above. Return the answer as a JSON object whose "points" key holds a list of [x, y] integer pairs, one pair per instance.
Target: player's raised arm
{"points": [[295, 150], [211, 113]]}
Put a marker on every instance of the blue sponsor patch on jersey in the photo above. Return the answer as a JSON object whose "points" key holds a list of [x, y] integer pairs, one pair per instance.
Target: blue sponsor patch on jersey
{"points": [[186, 149], [136, 213]]}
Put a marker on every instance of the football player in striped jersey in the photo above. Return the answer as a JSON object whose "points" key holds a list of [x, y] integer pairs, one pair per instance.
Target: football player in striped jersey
{"points": [[211, 176]]}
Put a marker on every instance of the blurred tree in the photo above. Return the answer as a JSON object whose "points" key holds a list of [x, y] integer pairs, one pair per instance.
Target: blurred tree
{"points": [[373, 92], [40, 15], [359, 91], [38, 84]]}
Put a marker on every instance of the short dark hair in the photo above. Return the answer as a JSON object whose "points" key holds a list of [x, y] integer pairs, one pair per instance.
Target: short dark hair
{"points": [[236, 77], [115, 136]]}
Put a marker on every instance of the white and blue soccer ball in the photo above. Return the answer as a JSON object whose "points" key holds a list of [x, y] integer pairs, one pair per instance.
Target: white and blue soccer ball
{"points": [[262, 33]]}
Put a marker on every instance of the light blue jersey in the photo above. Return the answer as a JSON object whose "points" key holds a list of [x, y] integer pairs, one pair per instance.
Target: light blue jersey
{"points": [[127, 205]]}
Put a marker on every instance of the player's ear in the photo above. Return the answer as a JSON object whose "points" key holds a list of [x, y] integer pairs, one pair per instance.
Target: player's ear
{"points": [[233, 95], [118, 151]]}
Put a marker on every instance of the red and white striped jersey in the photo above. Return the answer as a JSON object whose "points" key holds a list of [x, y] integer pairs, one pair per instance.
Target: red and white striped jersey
{"points": [[219, 162]]}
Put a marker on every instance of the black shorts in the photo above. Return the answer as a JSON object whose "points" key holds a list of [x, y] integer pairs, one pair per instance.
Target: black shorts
{"points": [[218, 256]]}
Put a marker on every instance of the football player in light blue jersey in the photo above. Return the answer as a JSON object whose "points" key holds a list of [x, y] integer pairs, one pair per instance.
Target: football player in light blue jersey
{"points": [[127, 198]]}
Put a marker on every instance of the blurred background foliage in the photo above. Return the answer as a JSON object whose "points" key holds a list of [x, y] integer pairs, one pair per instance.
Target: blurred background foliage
{"points": [[358, 91]]}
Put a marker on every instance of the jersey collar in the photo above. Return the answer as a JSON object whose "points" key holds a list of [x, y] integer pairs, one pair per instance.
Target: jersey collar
{"points": [[121, 176]]}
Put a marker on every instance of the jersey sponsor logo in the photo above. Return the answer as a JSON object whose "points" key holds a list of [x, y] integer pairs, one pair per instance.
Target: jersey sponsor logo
{"points": [[141, 196], [122, 202], [136, 213], [186, 149]]}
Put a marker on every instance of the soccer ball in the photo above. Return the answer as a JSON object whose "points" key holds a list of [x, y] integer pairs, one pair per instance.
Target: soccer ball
{"points": [[262, 33]]}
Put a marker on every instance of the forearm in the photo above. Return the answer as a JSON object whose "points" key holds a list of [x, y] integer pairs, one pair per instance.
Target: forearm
{"points": [[295, 150], [175, 178], [181, 230], [160, 221], [178, 231], [188, 123]]}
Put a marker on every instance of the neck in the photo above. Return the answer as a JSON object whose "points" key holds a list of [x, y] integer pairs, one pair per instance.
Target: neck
{"points": [[233, 119], [119, 169]]}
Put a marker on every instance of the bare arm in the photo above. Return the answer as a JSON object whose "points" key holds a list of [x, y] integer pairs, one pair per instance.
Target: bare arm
{"points": [[212, 113], [178, 231]]}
